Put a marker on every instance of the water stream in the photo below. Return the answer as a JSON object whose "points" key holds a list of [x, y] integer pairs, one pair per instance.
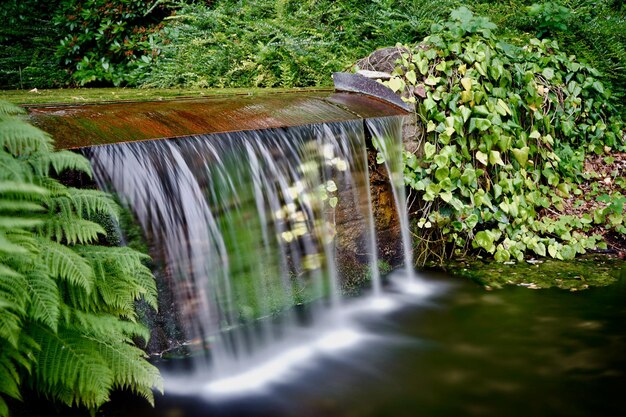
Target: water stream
{"points": [[251, 232], [248, 227]]}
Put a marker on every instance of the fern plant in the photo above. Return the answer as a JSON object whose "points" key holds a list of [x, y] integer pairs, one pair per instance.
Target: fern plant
{"points": [[68, 322]]}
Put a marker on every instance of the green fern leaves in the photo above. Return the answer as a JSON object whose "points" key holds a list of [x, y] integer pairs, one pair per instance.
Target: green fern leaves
{"points": [[67, 307]]}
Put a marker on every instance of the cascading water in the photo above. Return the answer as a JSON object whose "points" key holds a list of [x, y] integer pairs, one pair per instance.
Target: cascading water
{"points": [[244, 226]]}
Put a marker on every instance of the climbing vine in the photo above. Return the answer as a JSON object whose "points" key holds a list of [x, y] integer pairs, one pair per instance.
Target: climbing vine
{"points": [[506, 130]]}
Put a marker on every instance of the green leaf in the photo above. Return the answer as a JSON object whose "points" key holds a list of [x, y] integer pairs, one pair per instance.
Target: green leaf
{"points": [[495, 158], [422, 66], [429, 150], [471, 221], [597, 85], [469, 176], [432, 81], [441, 160], [553, 250], [465, 113], [485, 240], [411, 77], [442, 173], [445, 196], [482, 157], [548, 73], [502, 255], [396, 84], [521, 155], [462, 14]]}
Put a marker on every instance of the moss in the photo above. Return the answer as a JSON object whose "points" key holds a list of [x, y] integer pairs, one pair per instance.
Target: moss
{"points": [[92, 95], [580, 274]]}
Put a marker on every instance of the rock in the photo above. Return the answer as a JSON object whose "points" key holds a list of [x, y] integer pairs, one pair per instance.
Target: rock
{"points": [[382, 60]]}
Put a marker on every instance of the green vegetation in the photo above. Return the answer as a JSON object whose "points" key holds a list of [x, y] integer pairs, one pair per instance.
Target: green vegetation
{"points": [[98, 95], [283, 43], [506, 131], [28, 41], [67, 304], [587, 272], [109, 41], [268, 42]]}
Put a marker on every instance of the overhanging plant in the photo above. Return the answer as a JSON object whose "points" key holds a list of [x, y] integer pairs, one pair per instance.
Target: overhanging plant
{"points": [[505, 134]]}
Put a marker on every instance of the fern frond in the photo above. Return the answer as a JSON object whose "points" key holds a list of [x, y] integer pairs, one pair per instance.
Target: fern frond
{"points": [[70, 368], [23, 239], [71, 229], [146, 281], [7, 246], [21, 139], [115, 290], [84, 203], [19, 222], [53, 187], [18, 206], [126, 265], [20, 189], [10, 324], [14, 169], [12, 362], [45, 300], [64, 263], [4, 408], [95, 202], [9, 378], [130, 369], [105, 325], [9, 109], [14, 300], [60, 161], [8, 272], [61, 205]]}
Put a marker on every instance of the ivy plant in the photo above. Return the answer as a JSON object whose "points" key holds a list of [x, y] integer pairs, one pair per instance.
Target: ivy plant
{"points": [[505, 134]]}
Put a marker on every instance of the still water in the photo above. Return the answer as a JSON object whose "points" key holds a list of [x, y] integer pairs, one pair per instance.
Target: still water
{"points": [[459, 350]]}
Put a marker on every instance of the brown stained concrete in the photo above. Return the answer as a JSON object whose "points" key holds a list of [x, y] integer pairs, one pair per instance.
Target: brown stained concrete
{"points": [[75, 126]]}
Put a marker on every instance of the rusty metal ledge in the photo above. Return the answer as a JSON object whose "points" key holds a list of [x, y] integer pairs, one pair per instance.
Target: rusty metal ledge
{"points": [[75, 126]]}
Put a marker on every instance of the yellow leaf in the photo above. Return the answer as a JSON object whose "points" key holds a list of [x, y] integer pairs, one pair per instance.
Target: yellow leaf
{"points": [[467, 83]]}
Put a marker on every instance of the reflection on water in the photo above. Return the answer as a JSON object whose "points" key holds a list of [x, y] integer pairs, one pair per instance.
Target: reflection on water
{"points": [[460, 351]]}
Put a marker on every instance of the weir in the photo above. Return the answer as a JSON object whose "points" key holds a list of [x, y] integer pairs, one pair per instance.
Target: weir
{"points": [[257, 234]]}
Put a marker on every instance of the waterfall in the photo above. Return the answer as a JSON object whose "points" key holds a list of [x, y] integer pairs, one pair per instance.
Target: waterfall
{"points": [[387, 138], [250, 230]]}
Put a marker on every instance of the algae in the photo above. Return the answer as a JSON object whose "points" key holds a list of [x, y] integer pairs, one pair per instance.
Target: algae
{"points": [[595, 270]]}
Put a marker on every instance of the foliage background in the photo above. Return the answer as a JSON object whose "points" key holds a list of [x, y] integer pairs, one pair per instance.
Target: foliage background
{"points": [[287, 43]]}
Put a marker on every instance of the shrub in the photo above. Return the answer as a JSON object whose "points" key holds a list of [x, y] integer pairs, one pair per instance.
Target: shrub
{"points": [[28, 40], [549, 17], [506, 130], [109, 41], [283, 43], [67, 305]]}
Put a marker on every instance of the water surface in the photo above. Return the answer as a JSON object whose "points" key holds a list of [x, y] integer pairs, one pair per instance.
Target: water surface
{"points": [[460, 351]]}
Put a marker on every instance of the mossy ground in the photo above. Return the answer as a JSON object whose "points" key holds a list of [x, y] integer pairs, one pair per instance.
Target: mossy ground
{"points": [[585, 272], [92, 95]]}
